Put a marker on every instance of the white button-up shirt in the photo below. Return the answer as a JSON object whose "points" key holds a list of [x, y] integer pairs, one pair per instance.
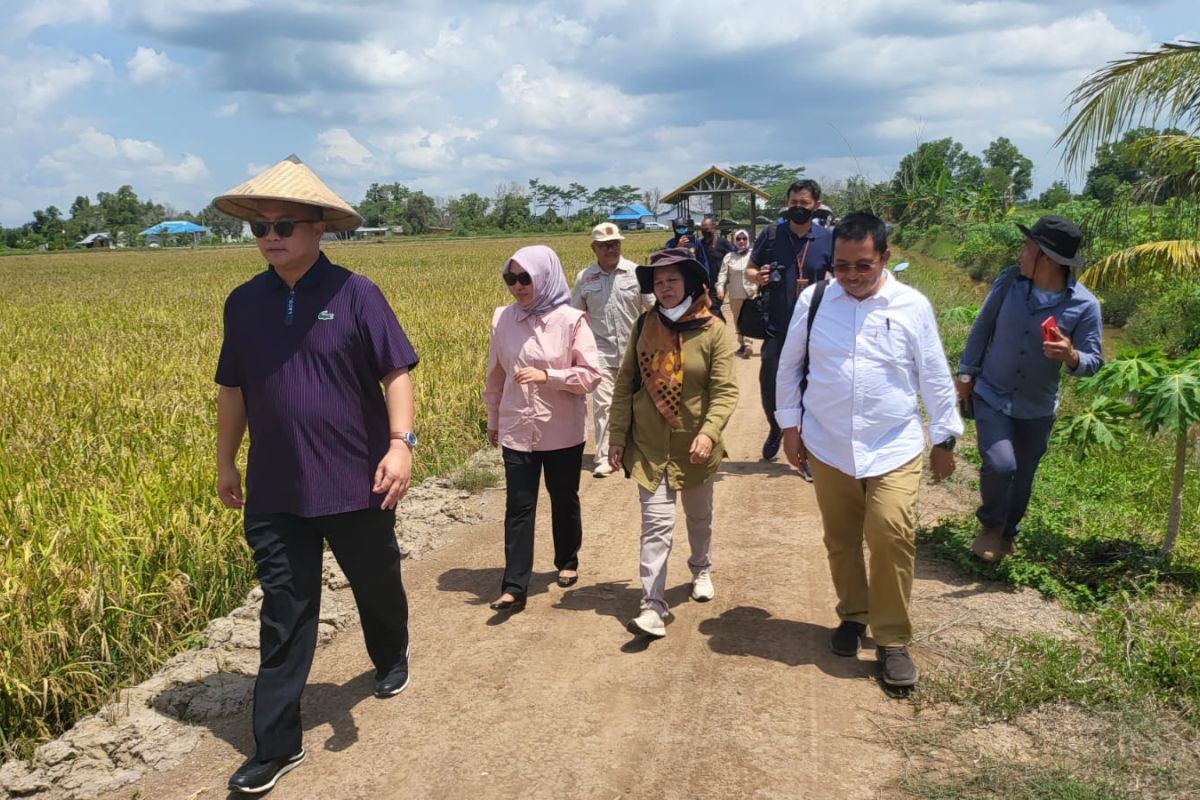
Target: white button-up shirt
{"points": [[869, 360], [613, 301]]}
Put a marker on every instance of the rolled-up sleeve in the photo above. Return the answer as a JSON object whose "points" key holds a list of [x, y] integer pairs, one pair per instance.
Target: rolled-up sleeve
{"points": [[971, 361], [583, 375], [937, 387], [1087, 339]]}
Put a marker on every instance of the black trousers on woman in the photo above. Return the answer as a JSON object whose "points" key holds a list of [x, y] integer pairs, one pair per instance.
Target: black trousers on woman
{"points": [[522, 472], [288, 551]]}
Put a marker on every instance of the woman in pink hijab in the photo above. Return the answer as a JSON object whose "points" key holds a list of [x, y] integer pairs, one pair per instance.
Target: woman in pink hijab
{"points": [[541, 363]]}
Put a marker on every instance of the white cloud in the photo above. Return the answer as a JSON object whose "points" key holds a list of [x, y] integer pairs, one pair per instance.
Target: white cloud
{"points": [[149, 67], [45, 13], [337, 145], [227, 110], [39, 79], [561, 101], [189, 169]]}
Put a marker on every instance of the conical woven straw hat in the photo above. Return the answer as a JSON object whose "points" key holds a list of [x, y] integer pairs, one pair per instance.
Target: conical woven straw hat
{"points": [[291, 181]]}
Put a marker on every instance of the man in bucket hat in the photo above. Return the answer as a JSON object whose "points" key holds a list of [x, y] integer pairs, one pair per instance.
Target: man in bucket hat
{"points": [[607, 290], [307, 345], [1036, 319]]}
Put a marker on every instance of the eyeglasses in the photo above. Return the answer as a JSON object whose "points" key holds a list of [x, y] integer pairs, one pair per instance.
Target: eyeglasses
{"points": [[284, 227], [513, 278], [741, 239]]}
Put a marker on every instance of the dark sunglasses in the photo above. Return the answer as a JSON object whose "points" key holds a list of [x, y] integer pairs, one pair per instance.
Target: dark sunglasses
{"points": [[513, 278], [284, 227]]}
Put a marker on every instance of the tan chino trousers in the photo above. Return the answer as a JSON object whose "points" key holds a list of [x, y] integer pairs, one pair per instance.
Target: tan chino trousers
{"points": [[883, 511]]}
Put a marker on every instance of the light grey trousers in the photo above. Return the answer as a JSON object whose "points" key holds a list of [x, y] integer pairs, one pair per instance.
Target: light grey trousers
{"points": [[658, 527], [601, 403]]}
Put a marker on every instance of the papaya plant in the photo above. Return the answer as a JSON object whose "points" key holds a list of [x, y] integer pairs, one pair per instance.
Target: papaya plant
{"points": [[1160, 394]]}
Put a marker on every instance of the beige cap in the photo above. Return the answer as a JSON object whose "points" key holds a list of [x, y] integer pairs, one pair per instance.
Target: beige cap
{"points": [[290, 181], [607, 232]]}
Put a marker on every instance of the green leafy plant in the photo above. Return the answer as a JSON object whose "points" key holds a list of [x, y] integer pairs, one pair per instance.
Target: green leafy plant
{"points": [[1161, 394]]}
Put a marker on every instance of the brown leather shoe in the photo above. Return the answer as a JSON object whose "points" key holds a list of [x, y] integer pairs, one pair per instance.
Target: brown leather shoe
{"points": [[991, 544]]}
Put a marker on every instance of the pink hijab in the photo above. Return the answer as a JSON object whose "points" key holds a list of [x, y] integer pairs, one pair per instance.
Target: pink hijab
{"points": [[549, 283]]}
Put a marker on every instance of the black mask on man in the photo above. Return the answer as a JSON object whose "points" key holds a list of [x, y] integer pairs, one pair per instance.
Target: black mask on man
{"points": [[798, 214]]}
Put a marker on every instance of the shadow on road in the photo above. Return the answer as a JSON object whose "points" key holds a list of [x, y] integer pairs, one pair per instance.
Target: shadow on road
{"points": [[750, 631]]}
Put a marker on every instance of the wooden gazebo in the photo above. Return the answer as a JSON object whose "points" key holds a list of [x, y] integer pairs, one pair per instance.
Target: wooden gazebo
{"points": [[720, 186]]}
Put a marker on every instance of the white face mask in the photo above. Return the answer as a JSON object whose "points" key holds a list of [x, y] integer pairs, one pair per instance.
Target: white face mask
{"points": [[678, 311]]}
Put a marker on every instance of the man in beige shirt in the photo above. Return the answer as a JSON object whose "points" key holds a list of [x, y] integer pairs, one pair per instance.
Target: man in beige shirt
{"points": [[608, 291]]}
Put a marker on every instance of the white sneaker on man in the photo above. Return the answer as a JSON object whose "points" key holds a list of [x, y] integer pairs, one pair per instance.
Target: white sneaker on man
{"points": [[647, 623], [702, 587], [602, 471]]}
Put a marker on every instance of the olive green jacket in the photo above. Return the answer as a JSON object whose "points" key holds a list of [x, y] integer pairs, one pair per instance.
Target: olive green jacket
{"points": [[707, 401]]}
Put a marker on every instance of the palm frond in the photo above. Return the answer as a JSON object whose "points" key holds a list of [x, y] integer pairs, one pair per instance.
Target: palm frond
{"points": [[1178, 259], [1159, 87], [1175, 161]]}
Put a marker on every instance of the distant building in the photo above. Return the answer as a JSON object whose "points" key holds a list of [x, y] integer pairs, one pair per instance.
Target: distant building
{"points": [[96, 240], [631, 217]]}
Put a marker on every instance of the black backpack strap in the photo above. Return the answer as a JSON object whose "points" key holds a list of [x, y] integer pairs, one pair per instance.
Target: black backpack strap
{"points": [[818, 294]]}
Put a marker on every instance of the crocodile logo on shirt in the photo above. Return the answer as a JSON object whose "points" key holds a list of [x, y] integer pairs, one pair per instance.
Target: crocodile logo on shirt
{"points": [[325, 316]]}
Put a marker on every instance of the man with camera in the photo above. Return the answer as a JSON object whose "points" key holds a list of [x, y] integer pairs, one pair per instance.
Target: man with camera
{"points": [[786, 258]]}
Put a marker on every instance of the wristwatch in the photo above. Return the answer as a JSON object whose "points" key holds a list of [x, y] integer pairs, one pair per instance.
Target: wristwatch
{"points": [[947, 443], [963, 377], [408, 437]]}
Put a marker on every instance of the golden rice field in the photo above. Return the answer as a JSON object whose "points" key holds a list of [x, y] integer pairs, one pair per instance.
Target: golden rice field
{"points": [[115, 549]]}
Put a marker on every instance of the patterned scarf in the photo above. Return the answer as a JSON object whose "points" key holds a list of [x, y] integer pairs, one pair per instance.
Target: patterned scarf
{"points": [[660, 356]]}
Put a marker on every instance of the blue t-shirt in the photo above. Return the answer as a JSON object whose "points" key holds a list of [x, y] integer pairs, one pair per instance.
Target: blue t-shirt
{"points": [[816, 246], [309, 362]]}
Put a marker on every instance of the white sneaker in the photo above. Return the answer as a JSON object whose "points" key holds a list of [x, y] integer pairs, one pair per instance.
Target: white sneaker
{"points": [[647, 623], [602, 471], [702, 587]]}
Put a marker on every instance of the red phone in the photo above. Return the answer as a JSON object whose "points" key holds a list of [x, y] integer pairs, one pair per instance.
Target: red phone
{"points": [[1048, 329]]}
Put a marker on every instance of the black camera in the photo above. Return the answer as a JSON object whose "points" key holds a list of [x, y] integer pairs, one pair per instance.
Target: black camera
{"points": [[775, 273]]}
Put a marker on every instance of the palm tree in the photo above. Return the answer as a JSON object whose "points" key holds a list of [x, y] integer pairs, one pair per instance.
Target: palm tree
{"points": [[1162, 86]]}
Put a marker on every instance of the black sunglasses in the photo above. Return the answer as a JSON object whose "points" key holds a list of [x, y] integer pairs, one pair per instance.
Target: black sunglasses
{"points": [[512, 278], [284, 227]]}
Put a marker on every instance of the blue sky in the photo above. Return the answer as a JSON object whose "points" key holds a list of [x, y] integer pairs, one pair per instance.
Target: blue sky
{"points": [[186, 99]]}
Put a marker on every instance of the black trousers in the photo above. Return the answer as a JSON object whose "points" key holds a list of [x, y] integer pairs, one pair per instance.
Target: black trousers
{"points": [[521, 474], [288, 550], [768, 369]]}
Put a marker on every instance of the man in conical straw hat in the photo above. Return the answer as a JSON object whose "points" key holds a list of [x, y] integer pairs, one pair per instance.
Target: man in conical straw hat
{"points": [[307, 345]]}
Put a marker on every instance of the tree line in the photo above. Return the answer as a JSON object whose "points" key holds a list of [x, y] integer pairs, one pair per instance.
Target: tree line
{"points": [[939, 179]]}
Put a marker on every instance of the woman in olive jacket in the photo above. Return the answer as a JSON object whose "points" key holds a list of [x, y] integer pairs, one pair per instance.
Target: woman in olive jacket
{"points": [[673, 397]]}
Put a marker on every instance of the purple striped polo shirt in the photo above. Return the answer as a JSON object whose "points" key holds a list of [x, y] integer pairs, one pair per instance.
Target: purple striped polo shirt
{"points": [[309, 362]]}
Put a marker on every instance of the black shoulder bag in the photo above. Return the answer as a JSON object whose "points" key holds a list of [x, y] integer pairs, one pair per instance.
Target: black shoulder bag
{"points": [[753, 319]]}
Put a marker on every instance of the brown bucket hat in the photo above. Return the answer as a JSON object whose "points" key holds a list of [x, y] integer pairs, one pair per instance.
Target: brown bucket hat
{"points": [[671, 257]]}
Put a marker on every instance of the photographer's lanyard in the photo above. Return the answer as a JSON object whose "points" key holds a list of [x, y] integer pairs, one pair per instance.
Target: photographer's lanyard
{"points": [[800, 259]]}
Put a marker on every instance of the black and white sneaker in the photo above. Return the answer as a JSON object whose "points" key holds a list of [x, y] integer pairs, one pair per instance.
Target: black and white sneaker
{"points": [[396, 681], [256, 777]]}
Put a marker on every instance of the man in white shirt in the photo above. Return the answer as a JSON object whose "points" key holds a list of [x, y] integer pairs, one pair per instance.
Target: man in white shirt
{"points": [[874, 352], [608, 291]]}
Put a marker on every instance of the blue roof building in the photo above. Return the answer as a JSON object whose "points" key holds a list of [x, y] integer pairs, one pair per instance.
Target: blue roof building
{"points": [[629, 215]]}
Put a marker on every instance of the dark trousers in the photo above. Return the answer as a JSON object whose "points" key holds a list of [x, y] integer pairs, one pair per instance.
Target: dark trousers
{"points": [[521, 474], [1011, 449], [771, 348], [288, 550]]}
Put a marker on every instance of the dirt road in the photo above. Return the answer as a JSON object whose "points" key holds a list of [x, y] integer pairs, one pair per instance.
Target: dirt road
{"points": [[742, 699]]}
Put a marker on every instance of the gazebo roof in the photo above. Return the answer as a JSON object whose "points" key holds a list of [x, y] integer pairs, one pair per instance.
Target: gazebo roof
{"points": [[713, 180]]}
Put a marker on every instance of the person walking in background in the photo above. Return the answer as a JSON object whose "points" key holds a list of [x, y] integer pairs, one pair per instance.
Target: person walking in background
{"points": [[607, 290], [859, 355], [713, 247], [733, 286], [542, 360], [673, 397], [1036, 319], [786, 258], [306, 347]]}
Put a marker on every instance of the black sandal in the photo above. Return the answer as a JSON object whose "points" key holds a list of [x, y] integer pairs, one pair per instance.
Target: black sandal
{"points": [[568, 582]]}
